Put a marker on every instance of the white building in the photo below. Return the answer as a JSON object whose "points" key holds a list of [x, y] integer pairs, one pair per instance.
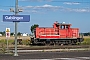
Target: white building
{"points": [[0, 34], [25, 34]]}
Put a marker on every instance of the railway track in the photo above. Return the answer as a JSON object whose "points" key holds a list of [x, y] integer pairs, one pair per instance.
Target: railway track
{"points": [[51, 47]]}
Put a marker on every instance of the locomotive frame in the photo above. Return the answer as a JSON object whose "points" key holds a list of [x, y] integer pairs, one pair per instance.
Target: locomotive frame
{"points": [[60, 33]]}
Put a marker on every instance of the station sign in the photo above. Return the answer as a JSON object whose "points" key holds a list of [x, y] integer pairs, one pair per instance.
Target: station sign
{"points": [[16, 18], [7, 32]]}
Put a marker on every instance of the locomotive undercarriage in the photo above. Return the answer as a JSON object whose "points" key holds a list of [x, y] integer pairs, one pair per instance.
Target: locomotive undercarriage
{"points": [[61, 41]]}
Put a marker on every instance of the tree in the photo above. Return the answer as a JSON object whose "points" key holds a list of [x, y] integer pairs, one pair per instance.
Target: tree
{"points": [[88, 33], [12, 33], [19, 34], [33, 27], [3, 33]]}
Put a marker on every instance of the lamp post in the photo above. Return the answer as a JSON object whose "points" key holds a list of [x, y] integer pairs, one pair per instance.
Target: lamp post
{"points": [[16, 13]]}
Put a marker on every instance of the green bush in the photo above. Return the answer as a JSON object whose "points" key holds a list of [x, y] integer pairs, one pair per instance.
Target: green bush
{"points": [[3, 45], [86, 41], [5, 42], [10, 42], [25, 42]]}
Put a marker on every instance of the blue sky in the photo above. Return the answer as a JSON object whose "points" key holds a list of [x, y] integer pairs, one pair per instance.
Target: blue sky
{"points": [[46, 12]]}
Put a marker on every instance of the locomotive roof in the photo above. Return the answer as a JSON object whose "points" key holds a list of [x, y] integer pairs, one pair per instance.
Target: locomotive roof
{"points": [[63, 24]]}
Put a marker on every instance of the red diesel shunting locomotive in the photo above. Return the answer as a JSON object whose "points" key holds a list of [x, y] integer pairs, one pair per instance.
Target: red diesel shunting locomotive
{"points": [[60, 33]]}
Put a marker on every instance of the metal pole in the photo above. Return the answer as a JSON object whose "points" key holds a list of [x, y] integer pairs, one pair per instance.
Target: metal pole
{"points": [[7, 44], [16, 12]]}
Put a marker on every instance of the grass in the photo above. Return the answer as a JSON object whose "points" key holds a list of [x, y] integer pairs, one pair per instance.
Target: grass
{"points": [[3, 44], [25, 41], [86, 41]]}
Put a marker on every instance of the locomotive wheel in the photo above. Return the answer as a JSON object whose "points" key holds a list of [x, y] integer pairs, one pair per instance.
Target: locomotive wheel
{"points": [[73, 42]]}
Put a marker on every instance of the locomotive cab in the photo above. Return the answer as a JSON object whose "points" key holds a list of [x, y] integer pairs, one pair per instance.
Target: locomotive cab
{"points": [[61, 25]]}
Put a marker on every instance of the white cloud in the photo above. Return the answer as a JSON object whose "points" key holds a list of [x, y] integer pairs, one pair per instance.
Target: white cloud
{"points": [[47, 7], [29, 6], [76, 10], [31, 11], [71, 3], [43, 7], [40, 9], [81, 10], [3, 10]]}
